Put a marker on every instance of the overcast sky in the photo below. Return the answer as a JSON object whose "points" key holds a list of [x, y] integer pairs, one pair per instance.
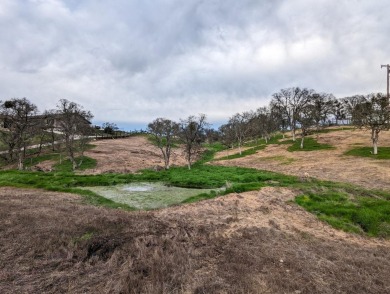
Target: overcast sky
{"points": [[130, 61]]}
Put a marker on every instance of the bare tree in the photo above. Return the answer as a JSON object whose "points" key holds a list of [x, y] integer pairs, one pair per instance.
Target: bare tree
{"points": [[266, 122], [321, 108], [49, 126], [338, 110], [20, 126], [373, 113], [227, 136], [191, 134], [74, 124], [290, 101], [163, 132], [350, 106], [241, 126], [306, 118]]}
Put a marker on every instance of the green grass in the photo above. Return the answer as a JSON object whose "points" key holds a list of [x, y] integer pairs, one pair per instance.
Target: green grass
{"points": [[310, 144], [350, 212], [29, 162], [244, 153], [383, 152], [66, 165]]}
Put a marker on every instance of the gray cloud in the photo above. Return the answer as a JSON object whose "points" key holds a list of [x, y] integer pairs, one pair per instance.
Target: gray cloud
{"points": [[132, 61]]}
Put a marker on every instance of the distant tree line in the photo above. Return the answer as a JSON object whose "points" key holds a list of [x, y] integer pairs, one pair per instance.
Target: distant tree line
{"points": [[303, 109], [297, 110], [23, 127]]}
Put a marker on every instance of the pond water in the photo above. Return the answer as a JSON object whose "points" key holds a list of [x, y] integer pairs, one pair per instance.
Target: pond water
{"points": [[147, 195]]}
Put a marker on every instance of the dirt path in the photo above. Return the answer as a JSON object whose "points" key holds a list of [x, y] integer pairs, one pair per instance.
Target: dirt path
{"points": [[128, 155], [325, 164]]}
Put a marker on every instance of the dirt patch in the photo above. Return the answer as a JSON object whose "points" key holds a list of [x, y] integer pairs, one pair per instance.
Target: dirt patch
{"points": [[129, 155], [325, 164], [255, 242]]}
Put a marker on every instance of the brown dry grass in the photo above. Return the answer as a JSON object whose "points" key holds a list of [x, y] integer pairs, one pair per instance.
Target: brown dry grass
{"points": [[249, 243], [129, 155], [325, 164]]}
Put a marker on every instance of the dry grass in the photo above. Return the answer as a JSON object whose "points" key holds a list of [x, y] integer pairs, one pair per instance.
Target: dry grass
{"points": [[325, 164], [129, 155], [51, 243]]}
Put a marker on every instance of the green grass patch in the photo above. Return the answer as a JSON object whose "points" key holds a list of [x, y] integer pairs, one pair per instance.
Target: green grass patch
{"points": [[84, 163], [309, 144], [29, 162], [383, 152], [244, 153], [350, 212]]}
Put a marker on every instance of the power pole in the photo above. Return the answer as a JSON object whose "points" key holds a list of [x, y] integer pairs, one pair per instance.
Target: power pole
{"points": [[388, 76]]}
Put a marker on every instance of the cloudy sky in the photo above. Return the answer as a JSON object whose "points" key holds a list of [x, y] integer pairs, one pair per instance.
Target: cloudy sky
{"points": [[130, 61]]}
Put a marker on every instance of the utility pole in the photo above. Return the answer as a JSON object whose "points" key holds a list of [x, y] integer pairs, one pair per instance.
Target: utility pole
{"points": [[388, 76]]}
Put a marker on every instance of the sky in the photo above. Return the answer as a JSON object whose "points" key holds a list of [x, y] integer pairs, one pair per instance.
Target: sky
{"points": [[131, 61]]}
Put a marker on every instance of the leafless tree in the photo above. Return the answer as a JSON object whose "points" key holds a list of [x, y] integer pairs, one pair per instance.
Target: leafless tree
{"points": [[241, 126], [20, 126], [350, 105], [321, 108], [163, 132], [306, 118], [373, 113], [74, 125], [49, 126], [227, 136], [266, 122], [289, 102], [191, 133], [338, 110]]}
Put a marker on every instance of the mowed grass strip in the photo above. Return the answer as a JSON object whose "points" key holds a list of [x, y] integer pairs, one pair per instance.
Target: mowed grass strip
{"points": [[383, 152]]}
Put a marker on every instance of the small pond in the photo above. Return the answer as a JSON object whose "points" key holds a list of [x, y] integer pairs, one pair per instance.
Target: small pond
{"points": [[147, 195]]}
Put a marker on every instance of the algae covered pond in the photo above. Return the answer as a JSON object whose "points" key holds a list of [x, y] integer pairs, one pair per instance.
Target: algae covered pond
{"points": [[147, 195]]}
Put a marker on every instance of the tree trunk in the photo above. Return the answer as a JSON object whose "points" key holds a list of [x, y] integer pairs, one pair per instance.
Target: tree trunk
{"points": [[375, 139], [303, 138], [189, 161], [293, 134], [20, 160]]}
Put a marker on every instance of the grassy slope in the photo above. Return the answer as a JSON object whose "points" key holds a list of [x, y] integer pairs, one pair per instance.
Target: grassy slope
{"points": [[341, 205]]}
